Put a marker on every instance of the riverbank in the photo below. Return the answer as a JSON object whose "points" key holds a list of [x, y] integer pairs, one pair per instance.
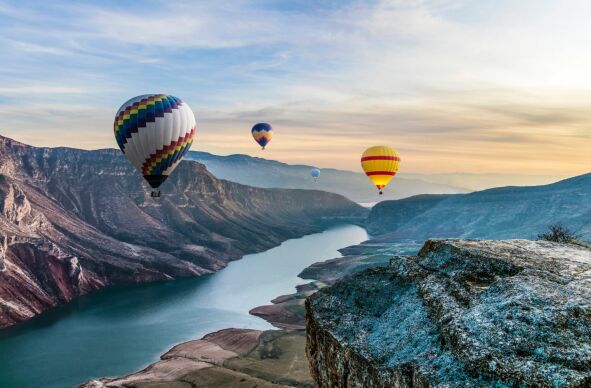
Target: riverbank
{"points": [[124, 329], [264, 355], [228, 358]]}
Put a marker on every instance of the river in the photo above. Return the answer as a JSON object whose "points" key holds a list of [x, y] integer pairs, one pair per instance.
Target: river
{"points": [[122, 329]]}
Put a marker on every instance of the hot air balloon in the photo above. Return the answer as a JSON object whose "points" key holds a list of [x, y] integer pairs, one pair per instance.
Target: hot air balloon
{"points": [[262, 133], [315, 173], [380, 164], [154, 132]]}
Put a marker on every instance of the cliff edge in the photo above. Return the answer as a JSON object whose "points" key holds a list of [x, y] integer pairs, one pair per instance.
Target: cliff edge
{"points": [[460, 313]]}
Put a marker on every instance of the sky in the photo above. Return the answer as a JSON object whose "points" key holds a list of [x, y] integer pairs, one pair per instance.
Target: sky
{"points": [[498, 87]]}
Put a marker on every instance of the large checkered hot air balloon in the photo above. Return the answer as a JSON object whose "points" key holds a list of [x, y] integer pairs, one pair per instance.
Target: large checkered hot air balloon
{"points": [[262, 133], [155, 131], [380, 164]]}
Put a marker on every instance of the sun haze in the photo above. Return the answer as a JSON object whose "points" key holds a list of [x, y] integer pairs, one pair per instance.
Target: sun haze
{"points": [[498, 88]]}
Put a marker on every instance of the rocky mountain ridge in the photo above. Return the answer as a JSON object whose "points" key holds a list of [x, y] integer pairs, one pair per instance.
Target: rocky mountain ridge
{"points": [[500, 213], [73, 221], [462, 313]]}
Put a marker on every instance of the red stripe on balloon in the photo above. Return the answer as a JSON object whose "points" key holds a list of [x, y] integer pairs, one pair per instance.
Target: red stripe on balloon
{"points": [[166, 149], [366, 158], [380, 173]]}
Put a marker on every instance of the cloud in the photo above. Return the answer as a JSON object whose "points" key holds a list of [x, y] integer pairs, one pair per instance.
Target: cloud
{"points": [[455, 85], [43, 89]]}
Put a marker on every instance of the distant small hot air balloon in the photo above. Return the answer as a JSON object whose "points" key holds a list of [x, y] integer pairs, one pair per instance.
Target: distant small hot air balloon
{"points": [[154, 132], [262, 133], [315, 173], [380, 164]]}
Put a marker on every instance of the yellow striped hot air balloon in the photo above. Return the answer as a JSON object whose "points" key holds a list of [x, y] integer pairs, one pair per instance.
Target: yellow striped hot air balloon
{"points": [[380, 164]]}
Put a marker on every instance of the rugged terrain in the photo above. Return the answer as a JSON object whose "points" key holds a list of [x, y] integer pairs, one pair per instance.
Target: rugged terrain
{"points": [[261, 172], [460, 313], [504, 212], [73, 221]]}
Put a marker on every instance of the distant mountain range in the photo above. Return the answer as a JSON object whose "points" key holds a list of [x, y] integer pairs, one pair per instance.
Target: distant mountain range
{"points": [[267, 173], [500, 213], [73, 221], [483, 181]]}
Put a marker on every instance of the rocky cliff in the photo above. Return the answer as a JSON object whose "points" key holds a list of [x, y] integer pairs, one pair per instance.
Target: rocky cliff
{"points": [[73, 221], [504, 212], [460, 313]]}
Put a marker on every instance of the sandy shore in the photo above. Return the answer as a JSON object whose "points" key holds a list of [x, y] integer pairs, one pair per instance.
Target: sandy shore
{"points": [[229, 358]]}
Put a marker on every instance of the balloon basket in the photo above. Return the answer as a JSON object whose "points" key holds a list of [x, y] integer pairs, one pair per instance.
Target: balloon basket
{"points": [[381, 192], [155, 194]]}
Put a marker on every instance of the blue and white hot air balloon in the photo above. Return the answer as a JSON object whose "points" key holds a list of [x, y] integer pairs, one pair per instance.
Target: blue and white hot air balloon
{"points": [[315, 173]]}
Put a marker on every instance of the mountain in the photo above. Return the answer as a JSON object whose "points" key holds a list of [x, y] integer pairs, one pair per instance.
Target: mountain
{"points": [[509, 313], [73, 221], [267, 173], [482, 181], [505, 212]]}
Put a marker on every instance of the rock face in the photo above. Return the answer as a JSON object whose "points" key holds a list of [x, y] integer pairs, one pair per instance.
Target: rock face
{"points": [[73, 221], [3, 248], [460, 313], [504, 212]]}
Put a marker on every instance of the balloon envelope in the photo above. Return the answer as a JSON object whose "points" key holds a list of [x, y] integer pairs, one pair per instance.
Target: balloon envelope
{"points": [[154, 131], [380, 164], [314, 173], [262, 133]]}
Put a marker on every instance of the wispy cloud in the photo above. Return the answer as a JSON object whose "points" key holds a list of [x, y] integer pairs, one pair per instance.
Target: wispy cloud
{"points": [[456, 85], [41, 89]]}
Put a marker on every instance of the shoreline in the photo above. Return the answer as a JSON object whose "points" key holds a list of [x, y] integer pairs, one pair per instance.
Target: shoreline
{"points": [[160, 315], [285, 312], [107, 287], [231, 356], [215, 348]]}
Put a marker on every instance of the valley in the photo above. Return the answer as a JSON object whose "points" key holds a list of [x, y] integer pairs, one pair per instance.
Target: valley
{"points": [[76, 221]]}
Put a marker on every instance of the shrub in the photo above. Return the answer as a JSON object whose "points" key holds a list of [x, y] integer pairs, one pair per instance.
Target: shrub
{"points": [[560, 234]]}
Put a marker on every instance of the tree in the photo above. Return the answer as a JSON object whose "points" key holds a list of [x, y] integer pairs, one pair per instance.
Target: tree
{"points": [[560, 234]]}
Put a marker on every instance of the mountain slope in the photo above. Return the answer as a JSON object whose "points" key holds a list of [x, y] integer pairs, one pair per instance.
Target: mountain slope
{"points": [[270, 173], [73, 221], [505, 212]]}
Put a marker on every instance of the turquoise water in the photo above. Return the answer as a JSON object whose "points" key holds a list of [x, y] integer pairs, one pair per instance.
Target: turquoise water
{"points": [[120, 330]]}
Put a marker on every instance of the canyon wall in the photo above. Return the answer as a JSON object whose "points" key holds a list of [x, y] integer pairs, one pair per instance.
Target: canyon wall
{"points": [[73, 221]]}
